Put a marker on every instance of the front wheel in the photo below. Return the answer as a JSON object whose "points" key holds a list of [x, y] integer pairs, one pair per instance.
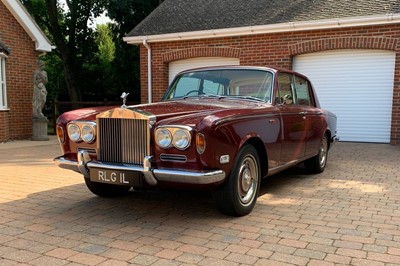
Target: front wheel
{"points": [[239, 194], [317, 163], [106, 190]]}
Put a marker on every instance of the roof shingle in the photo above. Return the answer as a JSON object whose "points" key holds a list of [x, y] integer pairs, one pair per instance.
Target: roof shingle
{"points": [[174, 16]]}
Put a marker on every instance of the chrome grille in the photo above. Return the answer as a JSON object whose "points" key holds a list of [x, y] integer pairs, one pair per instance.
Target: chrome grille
{"points": [[123, 140]]}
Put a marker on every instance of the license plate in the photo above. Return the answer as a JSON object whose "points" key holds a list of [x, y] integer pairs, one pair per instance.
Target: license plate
{"points": [[115, 177]]}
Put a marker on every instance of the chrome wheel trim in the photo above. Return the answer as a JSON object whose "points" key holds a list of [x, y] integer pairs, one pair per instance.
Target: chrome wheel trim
{"points": [[323, 152], [248, 179]]}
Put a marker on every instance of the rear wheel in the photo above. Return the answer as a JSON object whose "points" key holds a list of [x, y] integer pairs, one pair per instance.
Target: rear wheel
{"points": [[317, 163], [106, 190], [239, 194]]}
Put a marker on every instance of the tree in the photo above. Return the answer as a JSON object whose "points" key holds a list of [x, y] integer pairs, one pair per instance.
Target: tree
{"points": [[127, 14], [92, 66], [105, 43], [68, 29]]}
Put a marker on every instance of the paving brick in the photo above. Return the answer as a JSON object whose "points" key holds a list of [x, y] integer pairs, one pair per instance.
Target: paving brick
{"points": [[293, 243], [118, 254], [113, 263], [345, 260], [194, 249], [21, 256], [217, 262], [143, 259], [314, 262], [347, 215], [366, 262], [189, 258], [242, 259], [387, 258], [294, 260], [168, 254], [351, 253], [48, 261]]}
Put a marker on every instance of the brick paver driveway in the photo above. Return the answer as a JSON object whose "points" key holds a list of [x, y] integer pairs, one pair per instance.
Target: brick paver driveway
{"points": [[350, 214]]}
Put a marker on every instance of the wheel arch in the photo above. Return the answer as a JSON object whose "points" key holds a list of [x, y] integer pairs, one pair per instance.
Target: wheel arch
{"points": [[329, 135], [258, 144]]}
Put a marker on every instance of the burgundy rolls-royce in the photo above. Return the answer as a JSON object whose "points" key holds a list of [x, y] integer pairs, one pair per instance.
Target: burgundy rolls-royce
{"points": [[219, 128]]}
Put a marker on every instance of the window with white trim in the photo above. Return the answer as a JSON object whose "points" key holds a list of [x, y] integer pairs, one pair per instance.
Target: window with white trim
{"points": [[3, 88]]}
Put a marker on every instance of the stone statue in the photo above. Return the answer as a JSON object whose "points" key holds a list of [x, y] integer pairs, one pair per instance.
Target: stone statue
{"points": [[39, 90]]}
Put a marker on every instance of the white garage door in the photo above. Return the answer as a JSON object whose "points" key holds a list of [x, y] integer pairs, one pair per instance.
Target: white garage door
{"points": [[357, 85], [180, 65]]}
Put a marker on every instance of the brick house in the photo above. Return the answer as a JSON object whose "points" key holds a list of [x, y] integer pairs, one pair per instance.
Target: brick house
{"points": [[349, 49], [21, 42]]}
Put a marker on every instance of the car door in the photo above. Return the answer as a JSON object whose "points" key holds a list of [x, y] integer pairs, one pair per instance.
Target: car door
{"points": [[293, 120], [313, 116]]}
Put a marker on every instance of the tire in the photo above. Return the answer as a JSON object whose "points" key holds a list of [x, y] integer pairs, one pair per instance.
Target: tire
{"points": [[317, 164], [239, 194], [106, 190]]}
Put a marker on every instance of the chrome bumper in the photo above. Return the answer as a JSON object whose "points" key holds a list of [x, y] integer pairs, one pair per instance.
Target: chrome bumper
{"points": [[152, 176]]}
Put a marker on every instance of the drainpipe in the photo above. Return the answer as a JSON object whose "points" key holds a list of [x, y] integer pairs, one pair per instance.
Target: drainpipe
{"points": [[148, 69]]}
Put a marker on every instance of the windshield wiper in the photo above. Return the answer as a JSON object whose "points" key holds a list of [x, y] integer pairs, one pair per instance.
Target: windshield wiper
{"points": [[248, 97], [213, 96]]}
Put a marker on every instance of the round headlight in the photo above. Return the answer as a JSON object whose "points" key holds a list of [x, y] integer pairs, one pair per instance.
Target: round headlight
{"points": [[181, 139], [74, 132], [88, 133], [163, 138]]}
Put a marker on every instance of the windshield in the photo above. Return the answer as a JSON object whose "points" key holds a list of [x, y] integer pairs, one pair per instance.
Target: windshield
{"points": [[245, 83]]}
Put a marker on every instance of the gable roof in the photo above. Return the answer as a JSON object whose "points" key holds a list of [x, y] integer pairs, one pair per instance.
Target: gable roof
{"points": [[26, 21], [186, 17]]}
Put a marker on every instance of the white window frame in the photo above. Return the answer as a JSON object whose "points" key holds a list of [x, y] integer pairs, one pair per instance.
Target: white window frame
{"points": [[3, 84]]}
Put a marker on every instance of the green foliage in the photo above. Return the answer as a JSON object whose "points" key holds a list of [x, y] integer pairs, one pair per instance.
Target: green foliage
{"points": [[105, 44], [90, 63], [127, 14]]}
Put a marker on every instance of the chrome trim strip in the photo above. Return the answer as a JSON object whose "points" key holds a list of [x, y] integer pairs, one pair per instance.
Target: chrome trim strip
{"points": [[173, 158], [177, 126], [190, 177], [66, 164], [244, 117], [83, 159], [152, 176]]}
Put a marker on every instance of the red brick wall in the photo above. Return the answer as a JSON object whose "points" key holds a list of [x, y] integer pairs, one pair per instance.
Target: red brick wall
{"points": [[276, 50], [16, 123]]}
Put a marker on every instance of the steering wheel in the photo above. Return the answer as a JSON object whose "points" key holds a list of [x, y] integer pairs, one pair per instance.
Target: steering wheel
{"points": [[192, 91]]}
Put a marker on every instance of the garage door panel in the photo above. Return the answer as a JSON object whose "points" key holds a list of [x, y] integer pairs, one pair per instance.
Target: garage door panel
{"points": [[180, 65], [357, 85]]}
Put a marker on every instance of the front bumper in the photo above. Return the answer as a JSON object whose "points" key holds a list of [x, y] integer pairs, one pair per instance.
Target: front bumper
{"points": [[152, 176]]}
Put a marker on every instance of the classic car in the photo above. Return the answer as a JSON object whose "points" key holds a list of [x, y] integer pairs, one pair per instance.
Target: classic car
{"points": [[220, 128]]}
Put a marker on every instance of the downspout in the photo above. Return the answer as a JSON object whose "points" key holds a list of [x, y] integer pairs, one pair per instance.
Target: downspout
{"points": [[148, 70]]}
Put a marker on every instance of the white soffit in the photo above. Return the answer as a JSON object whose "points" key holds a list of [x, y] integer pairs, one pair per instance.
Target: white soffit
{"points": [[26, 21], [271, 28]]}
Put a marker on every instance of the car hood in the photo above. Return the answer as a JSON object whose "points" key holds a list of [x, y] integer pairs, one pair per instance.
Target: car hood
{"points": [[186, 111]]}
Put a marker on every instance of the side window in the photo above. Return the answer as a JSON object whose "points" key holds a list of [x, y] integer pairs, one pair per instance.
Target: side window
{"points": [[3, 91], [285, 86], [302, 89]]}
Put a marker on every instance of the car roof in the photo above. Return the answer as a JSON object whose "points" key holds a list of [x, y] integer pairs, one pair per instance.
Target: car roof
{"points": [[236, 67]]}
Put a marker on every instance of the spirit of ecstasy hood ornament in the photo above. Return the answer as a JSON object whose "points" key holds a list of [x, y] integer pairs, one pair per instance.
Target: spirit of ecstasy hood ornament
{"points": [[123, 97]]}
